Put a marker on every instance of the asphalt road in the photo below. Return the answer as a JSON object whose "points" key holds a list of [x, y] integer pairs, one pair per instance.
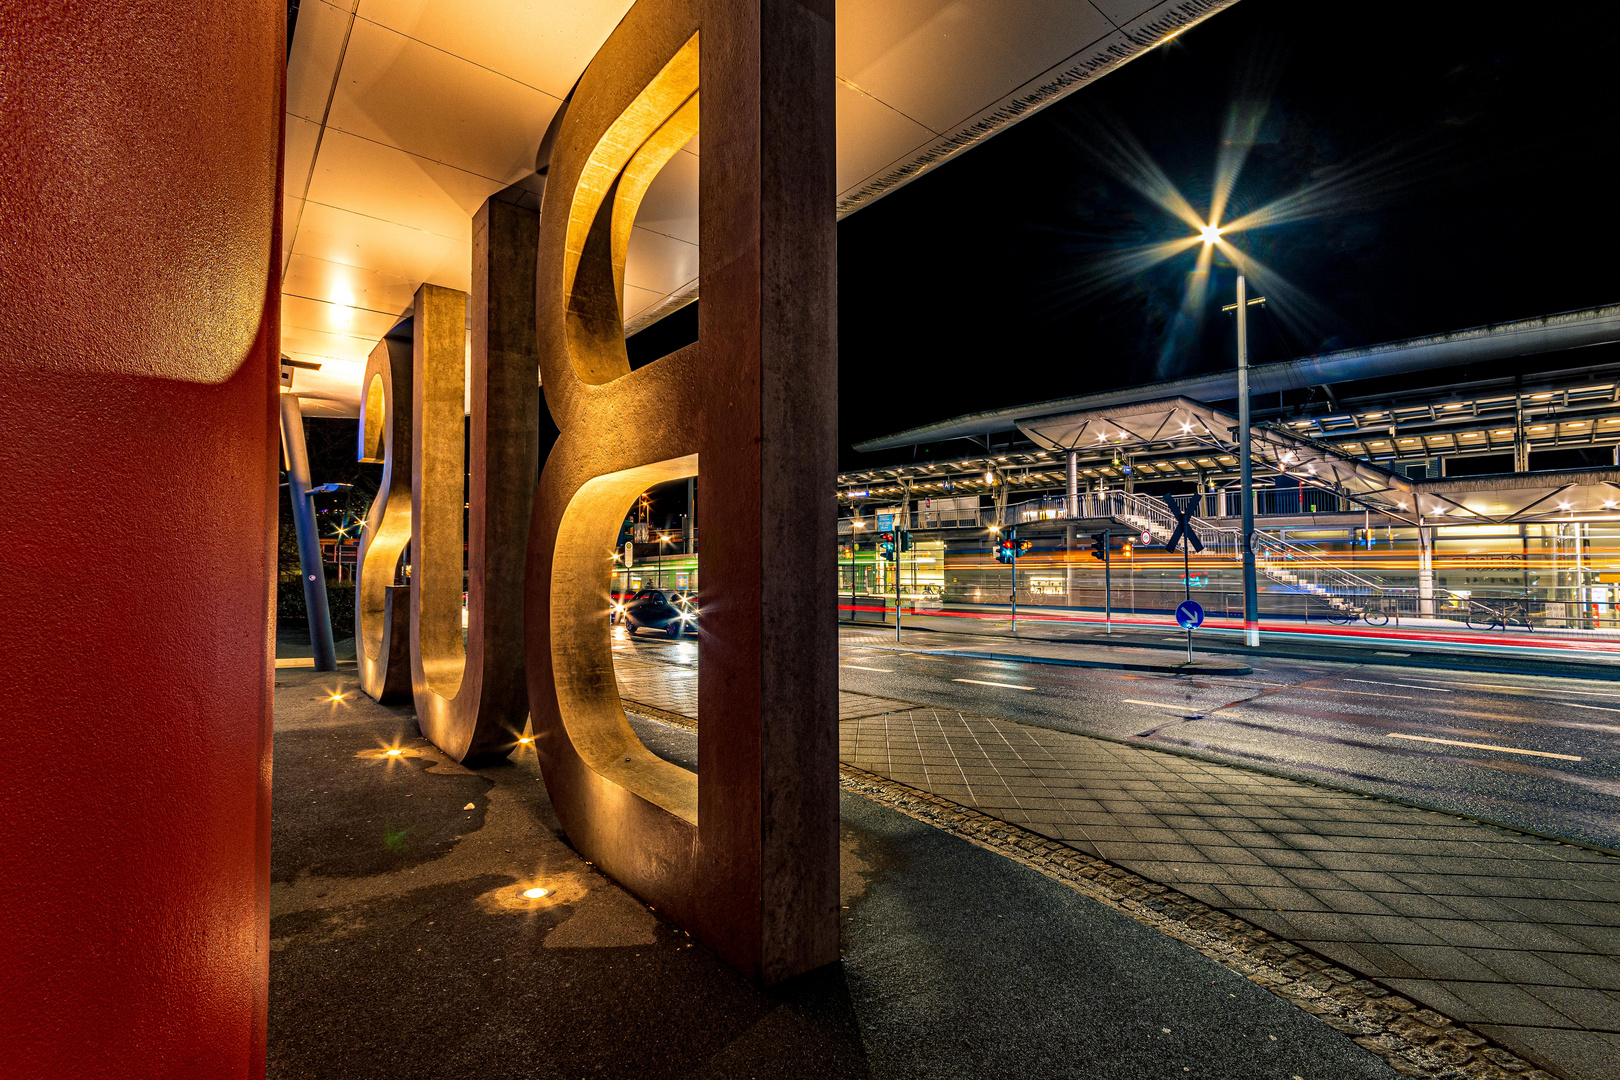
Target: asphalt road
{"points": [[1545, 756]]}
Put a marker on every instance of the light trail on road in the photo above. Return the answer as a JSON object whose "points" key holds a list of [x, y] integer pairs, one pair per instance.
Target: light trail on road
{"points": [[1507, 751], [1313, 720]]}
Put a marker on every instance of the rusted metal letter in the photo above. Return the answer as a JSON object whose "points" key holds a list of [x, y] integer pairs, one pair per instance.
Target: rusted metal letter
{"points": [[382, 614], [743, 853], [470, 698]]}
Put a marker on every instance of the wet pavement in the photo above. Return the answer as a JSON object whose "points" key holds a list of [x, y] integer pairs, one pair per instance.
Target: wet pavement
{"points": [[1515, 935], [1503, 748], [402, 946]]}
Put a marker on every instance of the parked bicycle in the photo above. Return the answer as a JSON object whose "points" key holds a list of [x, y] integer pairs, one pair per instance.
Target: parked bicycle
{"points": [[1372, 616], [1485, 617]]}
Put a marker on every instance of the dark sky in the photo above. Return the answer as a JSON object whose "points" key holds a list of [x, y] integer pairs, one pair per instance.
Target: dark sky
{"points": [[1483, 148]]}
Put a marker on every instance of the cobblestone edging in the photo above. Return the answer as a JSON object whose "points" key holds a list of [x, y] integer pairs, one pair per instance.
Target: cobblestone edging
{"points": [[1415, 1041]]}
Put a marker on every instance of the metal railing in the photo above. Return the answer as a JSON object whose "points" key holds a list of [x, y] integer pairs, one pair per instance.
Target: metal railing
{"points": [[1288, 564]]}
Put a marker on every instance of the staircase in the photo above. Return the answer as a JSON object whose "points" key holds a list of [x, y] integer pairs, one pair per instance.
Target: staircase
{"points": [[1297, 567]]}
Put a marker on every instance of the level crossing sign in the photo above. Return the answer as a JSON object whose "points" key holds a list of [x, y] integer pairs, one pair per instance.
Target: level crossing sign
{"points": [[1190, 615], [1182, 508]]}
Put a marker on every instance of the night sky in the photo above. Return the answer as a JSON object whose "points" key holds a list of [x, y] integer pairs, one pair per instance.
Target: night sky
{"points": [[1481, 154], [1483, 150]]}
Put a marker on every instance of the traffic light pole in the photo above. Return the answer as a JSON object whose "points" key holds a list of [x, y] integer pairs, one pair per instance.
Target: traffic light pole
{"points": [[1251, 594], [1108, 583], [1014, 562], [898, 544]]}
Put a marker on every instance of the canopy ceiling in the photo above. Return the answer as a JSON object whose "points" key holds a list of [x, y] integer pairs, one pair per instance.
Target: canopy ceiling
{"points": [[403, 116], [1191, 426]]}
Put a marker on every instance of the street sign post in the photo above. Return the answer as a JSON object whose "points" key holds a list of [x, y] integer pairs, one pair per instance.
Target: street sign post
{"points": [[1187, 537]]}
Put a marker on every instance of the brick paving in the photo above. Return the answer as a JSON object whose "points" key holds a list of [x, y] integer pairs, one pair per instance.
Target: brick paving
{"points": [[1516, 936]]}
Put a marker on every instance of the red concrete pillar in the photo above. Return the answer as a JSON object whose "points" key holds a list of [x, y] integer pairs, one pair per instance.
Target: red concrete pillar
{"points": [[139, 274]]}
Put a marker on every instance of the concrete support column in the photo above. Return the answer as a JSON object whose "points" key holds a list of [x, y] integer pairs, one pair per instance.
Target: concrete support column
{"points": [[1074, 484], [1070, 554], [691, 512], [1426, 571]]}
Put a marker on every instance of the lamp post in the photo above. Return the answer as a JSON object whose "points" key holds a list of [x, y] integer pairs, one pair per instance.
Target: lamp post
{"points": [[1251, 594], [1211, 236]]}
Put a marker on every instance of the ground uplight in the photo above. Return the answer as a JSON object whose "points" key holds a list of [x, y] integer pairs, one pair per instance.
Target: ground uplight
{"points": [[535, 894]]}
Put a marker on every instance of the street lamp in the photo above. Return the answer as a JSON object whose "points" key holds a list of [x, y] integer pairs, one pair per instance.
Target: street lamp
{"points": [[1210, 234]]}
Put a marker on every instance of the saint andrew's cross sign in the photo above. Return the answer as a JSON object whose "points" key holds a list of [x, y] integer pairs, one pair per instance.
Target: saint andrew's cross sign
{"points": [[1182, 508]]}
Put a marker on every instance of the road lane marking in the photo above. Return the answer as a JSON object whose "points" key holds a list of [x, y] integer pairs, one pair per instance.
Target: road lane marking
{"points": [[1536, 690], [1578, 705], [857, 667], [1485, 746], [981, 682], [1409, 686], [1361, 693], [1162, 705]]}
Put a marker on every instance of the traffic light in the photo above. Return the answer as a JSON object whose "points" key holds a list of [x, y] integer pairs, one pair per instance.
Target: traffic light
{"points": [[1099, 546], [886, 546], [1004, 550], [905, 541]]}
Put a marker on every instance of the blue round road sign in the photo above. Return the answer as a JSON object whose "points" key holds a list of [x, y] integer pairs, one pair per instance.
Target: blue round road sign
{"points": [[1190, 615]]}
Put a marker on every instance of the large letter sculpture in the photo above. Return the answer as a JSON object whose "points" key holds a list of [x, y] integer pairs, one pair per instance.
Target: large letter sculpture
{"points": [[744, 852], [382, 613], [471, 699]]}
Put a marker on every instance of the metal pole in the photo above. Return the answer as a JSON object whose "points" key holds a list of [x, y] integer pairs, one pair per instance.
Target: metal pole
{"points": [[897, 543], [1108, 582], [1015, 581], [691, 503], [1186, 587], [309, 544], [1074, 484], [1251, 592]]}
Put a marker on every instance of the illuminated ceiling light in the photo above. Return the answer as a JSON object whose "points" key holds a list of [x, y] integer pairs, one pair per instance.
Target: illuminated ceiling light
{"points": [[989, 478], [1209, 234], [535, 894]]}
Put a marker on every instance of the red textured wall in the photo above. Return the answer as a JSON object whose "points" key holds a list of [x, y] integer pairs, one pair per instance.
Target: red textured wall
{"points": [[139, 236]]}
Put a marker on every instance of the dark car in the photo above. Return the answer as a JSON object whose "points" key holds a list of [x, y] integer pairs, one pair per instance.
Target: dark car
{"points": [[654, 609]]}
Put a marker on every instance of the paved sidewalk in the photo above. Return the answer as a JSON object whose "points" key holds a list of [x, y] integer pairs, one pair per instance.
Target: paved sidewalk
{"points": [[1516, 936], [402, 946]]}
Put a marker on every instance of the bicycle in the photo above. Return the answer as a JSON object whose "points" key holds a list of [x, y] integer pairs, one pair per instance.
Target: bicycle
{"points": [[1346, 616], [1483, 617]]}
